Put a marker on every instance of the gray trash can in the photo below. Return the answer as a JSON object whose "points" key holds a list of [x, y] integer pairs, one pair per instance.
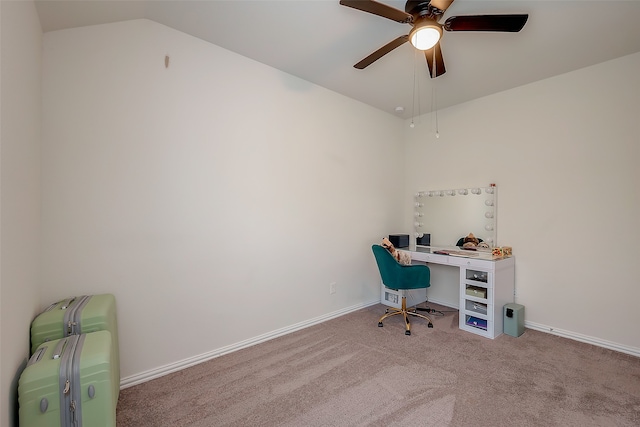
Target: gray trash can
{"points": [[513, 319]]}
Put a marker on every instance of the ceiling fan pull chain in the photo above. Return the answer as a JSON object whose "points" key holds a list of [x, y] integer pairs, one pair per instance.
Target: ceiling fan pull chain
{"points": [[417, 57], [435, 93], [413, 100]]}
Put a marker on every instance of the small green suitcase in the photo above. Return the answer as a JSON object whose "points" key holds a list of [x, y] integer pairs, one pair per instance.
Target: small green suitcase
{"points": [[69, 382], [78, 315]]}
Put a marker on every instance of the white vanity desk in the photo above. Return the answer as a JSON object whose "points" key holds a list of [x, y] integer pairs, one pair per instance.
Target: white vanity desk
{"points": [[486, 285]]}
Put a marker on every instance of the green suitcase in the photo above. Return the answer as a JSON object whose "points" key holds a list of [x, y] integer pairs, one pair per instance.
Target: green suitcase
{"points": [[69, 382], [78, 315]]}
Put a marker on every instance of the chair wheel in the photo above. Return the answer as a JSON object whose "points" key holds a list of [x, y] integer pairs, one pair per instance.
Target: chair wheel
{"points": [[379, 324], [430, 325], [407, 332]]}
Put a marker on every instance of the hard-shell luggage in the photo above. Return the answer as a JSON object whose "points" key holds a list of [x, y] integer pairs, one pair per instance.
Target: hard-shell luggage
{"points": [[78, 315], [69, 382]]}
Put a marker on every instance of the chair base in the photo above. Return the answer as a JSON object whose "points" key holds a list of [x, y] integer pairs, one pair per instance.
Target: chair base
{"points": [[405, 313]]}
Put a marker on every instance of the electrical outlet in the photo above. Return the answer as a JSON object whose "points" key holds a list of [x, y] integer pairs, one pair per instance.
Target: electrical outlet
{"points": [[332, 287]]}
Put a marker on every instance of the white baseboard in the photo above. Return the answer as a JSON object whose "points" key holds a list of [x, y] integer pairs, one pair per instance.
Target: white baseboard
{"points": [[566, 334], [583, 338], [182, 364]]}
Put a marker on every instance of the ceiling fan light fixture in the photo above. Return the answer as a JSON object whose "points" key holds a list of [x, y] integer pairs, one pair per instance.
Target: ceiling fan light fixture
{"points": [[426, 35]]}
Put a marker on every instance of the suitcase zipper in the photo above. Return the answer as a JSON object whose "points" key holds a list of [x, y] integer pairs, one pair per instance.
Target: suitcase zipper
{"points": [[67, 418], [72, 316], [73, 413], [76, 407]]}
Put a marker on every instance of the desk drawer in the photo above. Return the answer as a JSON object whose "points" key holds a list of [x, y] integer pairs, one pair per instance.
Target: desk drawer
{"points": [[476, 322], [473, 263], [433, 258], [476, 307], [477, 276], [476, 291]]}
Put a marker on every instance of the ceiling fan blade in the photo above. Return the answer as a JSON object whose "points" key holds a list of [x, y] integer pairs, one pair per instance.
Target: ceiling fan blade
{"points": [[428, 54], [502, 23], [381, 52], [441, 4], [379, 9]]}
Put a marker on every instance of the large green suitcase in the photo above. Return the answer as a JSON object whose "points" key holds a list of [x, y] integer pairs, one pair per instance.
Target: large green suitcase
{"points": [[78, 315], [69, 382]]}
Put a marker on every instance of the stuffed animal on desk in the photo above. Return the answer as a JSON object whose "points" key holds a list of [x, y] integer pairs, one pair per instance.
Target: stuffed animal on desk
{"points": [[402, 257], [470, 241]]}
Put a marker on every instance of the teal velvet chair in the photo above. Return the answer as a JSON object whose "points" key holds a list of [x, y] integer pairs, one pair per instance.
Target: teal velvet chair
{"points": [[401, 277]]}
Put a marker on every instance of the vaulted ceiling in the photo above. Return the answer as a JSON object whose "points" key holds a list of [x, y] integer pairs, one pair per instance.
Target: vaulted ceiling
{"points": [[320, 41]]}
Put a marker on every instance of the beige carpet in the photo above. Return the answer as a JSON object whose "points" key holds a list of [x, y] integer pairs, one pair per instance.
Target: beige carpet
{"points": [[349, 372]]}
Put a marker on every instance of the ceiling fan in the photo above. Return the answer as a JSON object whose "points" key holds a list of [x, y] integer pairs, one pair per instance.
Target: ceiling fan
{"points": [[425, 35]]}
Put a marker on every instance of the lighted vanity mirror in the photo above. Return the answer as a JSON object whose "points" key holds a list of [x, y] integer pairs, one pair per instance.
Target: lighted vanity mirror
{"points": [[448, 215]]}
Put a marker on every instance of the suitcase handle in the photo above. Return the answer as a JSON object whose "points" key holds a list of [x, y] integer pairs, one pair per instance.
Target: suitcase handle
{"points": [[59, 349], [36, 356], [51, 307], [67, 303]]}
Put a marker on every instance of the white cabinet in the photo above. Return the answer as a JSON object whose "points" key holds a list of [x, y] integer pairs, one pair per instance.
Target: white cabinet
{"points": [[485, 287]]}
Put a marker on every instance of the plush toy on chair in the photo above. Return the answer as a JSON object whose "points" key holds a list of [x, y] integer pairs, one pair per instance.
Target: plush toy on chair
{"points": [[401, 277], [402, 257]]}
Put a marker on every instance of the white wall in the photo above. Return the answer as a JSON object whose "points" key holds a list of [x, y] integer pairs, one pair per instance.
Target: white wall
{"points": [[220, 184], [216, 198], [564, 153], [20, 116]]}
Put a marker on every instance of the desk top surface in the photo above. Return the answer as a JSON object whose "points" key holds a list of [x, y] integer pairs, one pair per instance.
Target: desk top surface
{"points": [[458, 252]]}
